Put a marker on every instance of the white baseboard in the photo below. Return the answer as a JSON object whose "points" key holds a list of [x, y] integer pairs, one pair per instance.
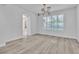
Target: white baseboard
{"points": [[60, 35], [3, 44], [15, 38]]}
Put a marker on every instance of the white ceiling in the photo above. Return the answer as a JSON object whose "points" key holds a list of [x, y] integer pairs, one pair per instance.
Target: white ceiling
{"points": [[36, 8]]}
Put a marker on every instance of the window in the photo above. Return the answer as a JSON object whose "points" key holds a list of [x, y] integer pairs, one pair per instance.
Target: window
{"points": [[54, 23], [60, 22]]}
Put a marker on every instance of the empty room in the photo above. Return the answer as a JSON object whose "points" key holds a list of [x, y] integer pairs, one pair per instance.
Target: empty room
{"points": [[39, 29]]}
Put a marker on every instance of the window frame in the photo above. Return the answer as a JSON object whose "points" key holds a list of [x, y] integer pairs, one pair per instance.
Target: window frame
{"points": [[50, 26]]}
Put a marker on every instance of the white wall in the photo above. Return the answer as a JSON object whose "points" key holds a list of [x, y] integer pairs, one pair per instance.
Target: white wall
{"points": [[77, 11], [69, 24], [11, 22]]}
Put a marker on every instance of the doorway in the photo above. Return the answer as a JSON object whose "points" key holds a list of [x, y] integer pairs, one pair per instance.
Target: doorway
{"points": [[26, 25]]}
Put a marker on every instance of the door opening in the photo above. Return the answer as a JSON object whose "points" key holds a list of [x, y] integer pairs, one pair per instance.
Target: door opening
{"points": [[25, 27]]}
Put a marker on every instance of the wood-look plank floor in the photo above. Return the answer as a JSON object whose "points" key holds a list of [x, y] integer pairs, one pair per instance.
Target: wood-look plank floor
{"points": [[41, 44]]}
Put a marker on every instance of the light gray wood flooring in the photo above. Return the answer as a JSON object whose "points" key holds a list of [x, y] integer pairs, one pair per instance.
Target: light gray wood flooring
{"points": [[41, 44]]}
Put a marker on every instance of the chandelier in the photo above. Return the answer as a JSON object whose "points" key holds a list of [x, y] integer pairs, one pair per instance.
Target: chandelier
{"points": [[45, 10]]}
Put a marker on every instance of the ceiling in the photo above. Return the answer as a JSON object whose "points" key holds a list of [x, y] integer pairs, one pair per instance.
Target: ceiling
{"points": [[36, 8]]}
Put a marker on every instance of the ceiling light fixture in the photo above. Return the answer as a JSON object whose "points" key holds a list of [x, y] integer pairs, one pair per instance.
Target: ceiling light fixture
{"points": [[45, 10]]}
